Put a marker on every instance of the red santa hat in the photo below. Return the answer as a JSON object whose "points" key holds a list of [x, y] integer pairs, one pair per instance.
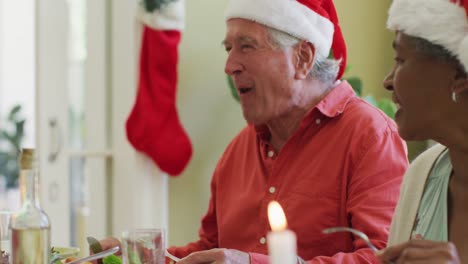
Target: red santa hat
{"points": [[315, 21], [442, 22]]}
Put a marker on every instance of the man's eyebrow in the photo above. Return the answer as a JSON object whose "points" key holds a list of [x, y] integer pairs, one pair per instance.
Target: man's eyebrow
{"points": [[247, 39], [241, 39]]}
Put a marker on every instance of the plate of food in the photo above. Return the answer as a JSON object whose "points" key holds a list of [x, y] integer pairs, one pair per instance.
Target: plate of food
{"points": [[62, 255], [59, 254]]}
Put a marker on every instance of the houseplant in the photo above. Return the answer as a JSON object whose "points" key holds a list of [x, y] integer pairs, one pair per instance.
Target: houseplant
{"points": [[11, 136], [151, 5]]}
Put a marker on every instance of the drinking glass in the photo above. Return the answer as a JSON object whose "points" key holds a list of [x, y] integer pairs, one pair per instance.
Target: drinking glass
{"points": [[5, 235], [143, 246]]}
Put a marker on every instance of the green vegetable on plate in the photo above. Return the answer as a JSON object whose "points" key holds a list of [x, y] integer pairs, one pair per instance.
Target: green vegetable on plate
{"points": [[112, 259]]}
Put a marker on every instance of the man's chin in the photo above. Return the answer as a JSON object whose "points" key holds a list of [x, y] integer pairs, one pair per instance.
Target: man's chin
{"points": [[253, 122]]}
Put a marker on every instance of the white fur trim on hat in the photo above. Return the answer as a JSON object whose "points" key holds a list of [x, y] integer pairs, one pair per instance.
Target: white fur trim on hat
{"points": [[438, 21], [169, 17], [288, 16]]}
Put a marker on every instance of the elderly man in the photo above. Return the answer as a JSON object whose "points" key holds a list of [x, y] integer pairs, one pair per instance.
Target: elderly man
{"points": [[329, 158]]}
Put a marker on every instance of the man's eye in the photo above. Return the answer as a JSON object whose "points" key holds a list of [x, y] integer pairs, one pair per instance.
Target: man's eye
{"points": [[246, 46], [228, 49]]}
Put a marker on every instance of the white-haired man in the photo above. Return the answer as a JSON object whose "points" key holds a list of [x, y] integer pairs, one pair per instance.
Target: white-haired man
{"points": [[329, 158], [326, 156]]}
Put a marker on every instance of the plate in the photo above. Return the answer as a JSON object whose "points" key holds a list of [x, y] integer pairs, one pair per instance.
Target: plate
{"points": [[66, 252]]}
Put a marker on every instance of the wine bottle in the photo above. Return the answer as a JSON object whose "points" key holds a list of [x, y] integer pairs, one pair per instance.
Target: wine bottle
{"points": [[30, 226]]}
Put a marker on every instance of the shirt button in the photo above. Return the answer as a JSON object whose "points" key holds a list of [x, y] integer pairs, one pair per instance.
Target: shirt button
{"points": [[262, 240], [317, 121], [271, 153], [272, 189]]}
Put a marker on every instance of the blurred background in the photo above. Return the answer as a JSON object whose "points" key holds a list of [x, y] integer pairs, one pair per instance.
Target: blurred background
{"points": [[67, 84]]}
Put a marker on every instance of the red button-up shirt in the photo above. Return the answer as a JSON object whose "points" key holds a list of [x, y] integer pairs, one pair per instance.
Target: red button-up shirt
{"points": [[342, 167]]}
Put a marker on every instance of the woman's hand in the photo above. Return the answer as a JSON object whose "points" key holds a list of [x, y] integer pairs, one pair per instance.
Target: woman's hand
{"points": [[217, 256], [420, 251]]}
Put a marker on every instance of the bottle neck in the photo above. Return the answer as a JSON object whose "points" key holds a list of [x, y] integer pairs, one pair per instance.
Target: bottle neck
{"points": [[29, 187]]}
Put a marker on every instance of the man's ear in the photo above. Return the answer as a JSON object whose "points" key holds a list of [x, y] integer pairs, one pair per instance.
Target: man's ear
{"points": [[305, 55]]}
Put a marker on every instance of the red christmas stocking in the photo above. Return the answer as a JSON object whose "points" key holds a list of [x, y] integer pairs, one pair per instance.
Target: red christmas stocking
{"points": [[153, 126]]}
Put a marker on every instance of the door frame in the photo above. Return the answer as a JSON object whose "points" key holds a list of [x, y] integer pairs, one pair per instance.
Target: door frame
{"points": [[132, 191]]}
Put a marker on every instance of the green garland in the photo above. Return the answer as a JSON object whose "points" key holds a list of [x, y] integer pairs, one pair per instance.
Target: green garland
{"points": [[151, 5]]}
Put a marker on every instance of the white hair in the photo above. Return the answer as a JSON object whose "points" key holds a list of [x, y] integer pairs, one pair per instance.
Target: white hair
{"points": [[324, 70]]}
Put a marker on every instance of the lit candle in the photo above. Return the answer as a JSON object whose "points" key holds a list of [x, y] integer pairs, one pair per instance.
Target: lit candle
{"points": [[281, 241]]}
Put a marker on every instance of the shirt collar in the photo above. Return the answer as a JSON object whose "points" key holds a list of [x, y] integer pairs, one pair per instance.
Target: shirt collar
{"points": [[262, 132], [336, 100], [331, 106]]}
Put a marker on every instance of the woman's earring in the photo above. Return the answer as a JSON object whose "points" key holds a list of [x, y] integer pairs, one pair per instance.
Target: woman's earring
{"points": [[454, 97]]}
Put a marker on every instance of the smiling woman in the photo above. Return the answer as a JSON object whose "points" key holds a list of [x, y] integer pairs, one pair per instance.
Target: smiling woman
{"points": [[430, 84], [420, 78]]}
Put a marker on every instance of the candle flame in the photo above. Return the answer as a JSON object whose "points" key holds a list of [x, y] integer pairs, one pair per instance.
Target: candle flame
{"points": [[276, 216]]}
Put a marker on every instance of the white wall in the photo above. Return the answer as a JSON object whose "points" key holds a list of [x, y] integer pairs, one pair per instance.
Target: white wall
{"points": [[139, 189], [207, 110], [17, 61]]}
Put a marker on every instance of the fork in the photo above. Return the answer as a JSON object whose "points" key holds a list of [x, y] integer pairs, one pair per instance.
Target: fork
{"points": [[96, 256], [174, 258], [352, 230]]}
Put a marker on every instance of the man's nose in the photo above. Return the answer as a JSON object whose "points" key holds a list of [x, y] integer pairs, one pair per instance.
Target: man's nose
{"points": [[233, 65]]}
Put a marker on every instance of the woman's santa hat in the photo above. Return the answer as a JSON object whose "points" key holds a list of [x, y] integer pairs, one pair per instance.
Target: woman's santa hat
{"points": [[442, 22], [315, 21]]}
